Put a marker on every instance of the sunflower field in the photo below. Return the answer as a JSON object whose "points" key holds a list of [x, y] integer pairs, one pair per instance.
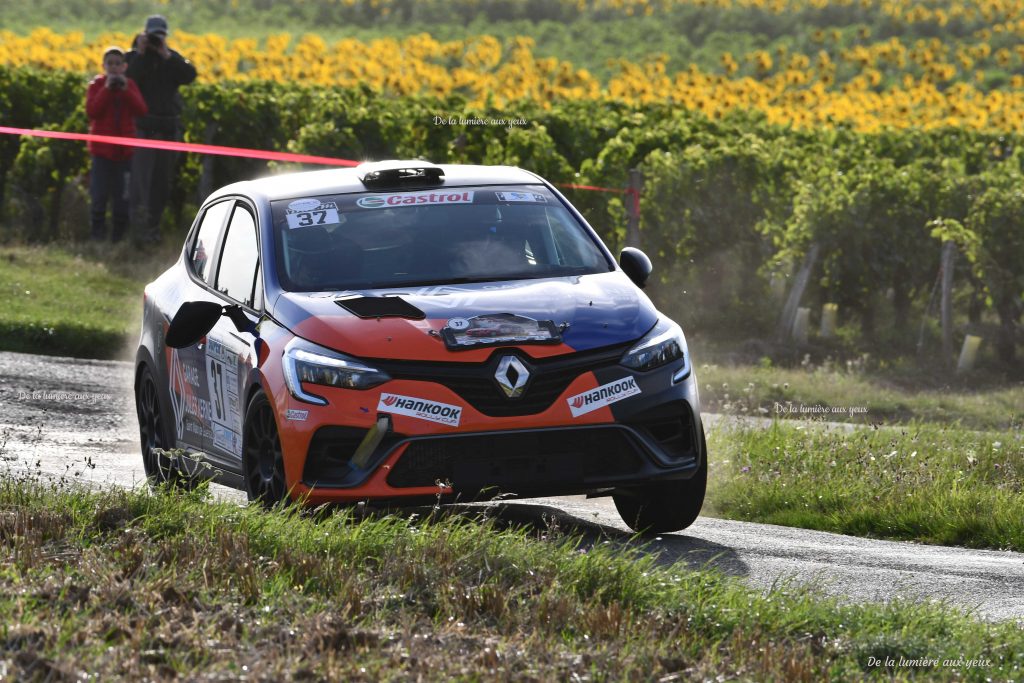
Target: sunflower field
{"points": [[867, 131]]}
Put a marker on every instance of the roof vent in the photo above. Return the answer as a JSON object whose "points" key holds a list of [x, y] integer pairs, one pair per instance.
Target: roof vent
{"points": [[389, 174]]}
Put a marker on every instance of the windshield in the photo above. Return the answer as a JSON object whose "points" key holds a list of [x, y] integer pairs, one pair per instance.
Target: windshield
{"points": [[447, 235]]}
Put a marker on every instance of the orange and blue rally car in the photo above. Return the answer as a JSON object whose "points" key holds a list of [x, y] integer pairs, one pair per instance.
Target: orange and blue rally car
{"points": [[402, 331]]}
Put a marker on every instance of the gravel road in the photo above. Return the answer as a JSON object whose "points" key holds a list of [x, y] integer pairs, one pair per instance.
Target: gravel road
{"points": [[75, 418]]}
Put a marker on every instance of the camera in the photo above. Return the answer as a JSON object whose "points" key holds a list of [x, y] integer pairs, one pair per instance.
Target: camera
{"points": [[154, 41]]}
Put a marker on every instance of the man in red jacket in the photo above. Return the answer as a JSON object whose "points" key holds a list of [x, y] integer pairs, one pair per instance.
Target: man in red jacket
{"points": [[111, 103]]}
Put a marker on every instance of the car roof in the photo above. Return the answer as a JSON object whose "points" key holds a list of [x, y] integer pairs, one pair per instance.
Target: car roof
{"points": [[344, 180]]}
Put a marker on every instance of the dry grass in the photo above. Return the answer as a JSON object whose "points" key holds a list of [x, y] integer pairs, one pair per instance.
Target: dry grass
{"points": [[133, 585]]}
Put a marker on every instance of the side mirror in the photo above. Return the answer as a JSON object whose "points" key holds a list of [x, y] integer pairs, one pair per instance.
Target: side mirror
{"points": [[636, 265], [192, 322]]}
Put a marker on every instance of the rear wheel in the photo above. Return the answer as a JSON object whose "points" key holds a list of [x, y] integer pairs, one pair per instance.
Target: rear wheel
{"points": [[262, 459], [665, 506], [154, 433]]}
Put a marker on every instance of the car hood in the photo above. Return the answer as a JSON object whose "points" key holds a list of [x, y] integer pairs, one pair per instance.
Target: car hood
{"points": [[592, 311]]}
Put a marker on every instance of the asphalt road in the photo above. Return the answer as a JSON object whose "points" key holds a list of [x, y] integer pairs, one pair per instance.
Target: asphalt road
{"points": [[75, 418]]}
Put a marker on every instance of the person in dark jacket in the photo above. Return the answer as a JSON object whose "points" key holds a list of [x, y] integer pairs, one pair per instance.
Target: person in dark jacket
{"points": [[112, 102], [159, 71]]}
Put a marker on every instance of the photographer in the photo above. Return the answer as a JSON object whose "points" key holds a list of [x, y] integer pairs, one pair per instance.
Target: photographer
{"points": [[112, 102], [159, 71]]}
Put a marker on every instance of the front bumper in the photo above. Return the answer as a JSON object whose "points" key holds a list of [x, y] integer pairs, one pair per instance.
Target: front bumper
{"points": [[653, 435]]}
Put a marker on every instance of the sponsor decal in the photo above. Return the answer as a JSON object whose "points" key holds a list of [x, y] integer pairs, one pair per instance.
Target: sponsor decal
{"points": [[185, 404], [458, 324], [415, 198], [450, 296], [296, 415], [498, 328], [521, 197], [424, 409], [227, 439], [226, 413], [304, 204], [324, 213], [602, 396]]}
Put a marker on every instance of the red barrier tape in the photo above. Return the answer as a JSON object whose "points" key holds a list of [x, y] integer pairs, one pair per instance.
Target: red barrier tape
{"points": [[633, 193], [174, 146], [573, 186]]}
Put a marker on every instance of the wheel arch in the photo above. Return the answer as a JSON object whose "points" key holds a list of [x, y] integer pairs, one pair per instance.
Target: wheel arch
{"points": [[144, 361], [255, 383]]}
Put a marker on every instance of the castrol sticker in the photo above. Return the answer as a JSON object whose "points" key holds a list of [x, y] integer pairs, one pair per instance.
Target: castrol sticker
{"points": [[386, 201], [602, 396], [421, 408]]}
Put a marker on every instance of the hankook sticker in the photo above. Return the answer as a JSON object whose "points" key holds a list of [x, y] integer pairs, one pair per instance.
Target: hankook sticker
{"points": [[420, 408], [604, 395], [296, 415]]}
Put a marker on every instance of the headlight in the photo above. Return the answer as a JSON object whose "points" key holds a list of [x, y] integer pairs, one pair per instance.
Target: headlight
{"points": [[662, 345], [307, 362]]}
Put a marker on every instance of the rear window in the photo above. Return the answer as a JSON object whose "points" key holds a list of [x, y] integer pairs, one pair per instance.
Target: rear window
{"points": [[425, 237]]}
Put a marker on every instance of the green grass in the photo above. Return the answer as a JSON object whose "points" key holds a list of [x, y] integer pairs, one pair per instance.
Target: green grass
{"points": [[928, 483], [130, 585], [858, 396], [84, 302]]}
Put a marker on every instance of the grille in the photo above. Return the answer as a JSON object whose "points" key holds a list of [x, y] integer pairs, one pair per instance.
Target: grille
{"points": [[551, 457], [329, 453], [328, 461], [475, 383], [671, 425]]}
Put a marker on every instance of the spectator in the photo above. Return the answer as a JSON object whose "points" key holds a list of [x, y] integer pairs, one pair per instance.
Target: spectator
{"points": [[112, 102], [159, 71]]}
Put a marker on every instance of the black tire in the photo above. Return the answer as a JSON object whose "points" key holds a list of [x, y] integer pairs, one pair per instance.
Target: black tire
{"points": [[154, 433], [262, 459], [665, 506]]}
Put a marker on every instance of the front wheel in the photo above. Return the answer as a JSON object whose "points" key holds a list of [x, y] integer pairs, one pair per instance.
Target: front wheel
{"points": [[665, 506], [155, 434], [262, 460]]}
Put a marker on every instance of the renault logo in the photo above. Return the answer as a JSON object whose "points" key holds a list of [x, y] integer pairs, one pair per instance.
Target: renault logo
{"points": [[512, 376]]}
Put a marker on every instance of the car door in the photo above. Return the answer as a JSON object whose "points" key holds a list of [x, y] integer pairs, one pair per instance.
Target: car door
{"points": [[230, 353], [186, 367]]}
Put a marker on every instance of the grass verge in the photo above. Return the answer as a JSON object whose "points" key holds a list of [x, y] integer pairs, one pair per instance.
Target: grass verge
{"points": [[838, 395], [928, 483], [84, 301], [125, 584]]}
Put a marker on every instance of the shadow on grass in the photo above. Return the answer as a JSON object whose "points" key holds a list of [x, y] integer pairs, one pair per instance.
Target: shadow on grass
{"points": [[549, 523]]}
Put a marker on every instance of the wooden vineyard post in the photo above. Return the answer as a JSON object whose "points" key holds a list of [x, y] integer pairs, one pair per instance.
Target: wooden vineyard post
{"points": [[785, 327], [946, 305], [636, 183]]}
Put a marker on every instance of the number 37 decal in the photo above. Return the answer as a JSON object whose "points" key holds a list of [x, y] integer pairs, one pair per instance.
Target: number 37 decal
{"points": [[322, 214]]}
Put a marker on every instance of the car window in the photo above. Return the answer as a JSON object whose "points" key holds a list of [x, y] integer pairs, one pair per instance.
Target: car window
{"points": [[425, 237], [201, 255], [237, 271]]}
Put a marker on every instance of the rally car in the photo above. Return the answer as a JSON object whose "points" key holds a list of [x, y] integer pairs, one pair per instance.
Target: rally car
{"points": [[403, 331]]}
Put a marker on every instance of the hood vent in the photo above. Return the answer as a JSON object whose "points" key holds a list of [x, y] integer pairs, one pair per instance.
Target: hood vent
{"points": [[381, 307]]}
